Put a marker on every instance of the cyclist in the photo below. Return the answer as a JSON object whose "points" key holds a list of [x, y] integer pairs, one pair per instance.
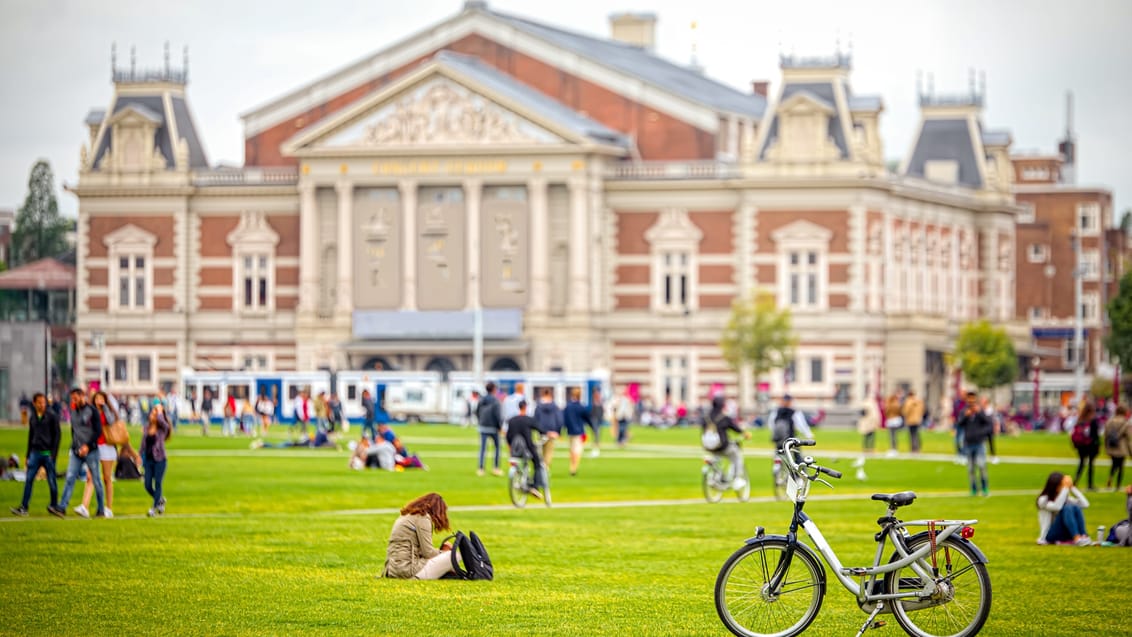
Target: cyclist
{"points": [[714, 438], [787, 422], [519, 430]]}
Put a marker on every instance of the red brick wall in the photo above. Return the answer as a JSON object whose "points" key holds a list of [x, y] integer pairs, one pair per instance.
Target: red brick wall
{"points": [[633, 274], [833, 220], [659, 136], [631, 228], [214, 233], [717, 231], [161, 227]]}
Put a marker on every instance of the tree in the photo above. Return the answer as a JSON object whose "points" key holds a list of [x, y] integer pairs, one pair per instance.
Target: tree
{"points": [[1119, 341], [986, 355], [40, 231], [758, 334]]}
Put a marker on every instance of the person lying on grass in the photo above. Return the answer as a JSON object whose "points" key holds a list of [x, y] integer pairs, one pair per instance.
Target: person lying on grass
{"points": [[320, 439], [410, 554]]}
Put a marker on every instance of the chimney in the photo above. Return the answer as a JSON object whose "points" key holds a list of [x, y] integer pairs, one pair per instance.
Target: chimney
{"points": [[636, 29], [760, 87]]}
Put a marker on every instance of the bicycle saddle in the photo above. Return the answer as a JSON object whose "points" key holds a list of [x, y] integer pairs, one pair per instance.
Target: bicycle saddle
{"points": [[903, 498]]}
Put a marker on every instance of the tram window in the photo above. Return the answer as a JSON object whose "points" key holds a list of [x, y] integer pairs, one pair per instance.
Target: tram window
{"points": [[351, 392]]}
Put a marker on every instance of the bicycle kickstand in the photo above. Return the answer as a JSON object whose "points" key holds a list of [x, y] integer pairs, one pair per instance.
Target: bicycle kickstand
{"points": [[869, 623]]}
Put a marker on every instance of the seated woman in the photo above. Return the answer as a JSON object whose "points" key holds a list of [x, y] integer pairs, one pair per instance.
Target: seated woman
{"points": [[410, 554], [1060, 512]]}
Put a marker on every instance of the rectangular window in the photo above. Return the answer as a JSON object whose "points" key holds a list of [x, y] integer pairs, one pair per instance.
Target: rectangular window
{"points": [[1070, 358], [1090, 306], [1088, 218], [803, 279], [121, 369], [253, 276], [351, 392], [1037, 313], [675, 379], [1037, 253], [817, 370], [674, 280], [145, 370], [1090, 264], [132, 285]]}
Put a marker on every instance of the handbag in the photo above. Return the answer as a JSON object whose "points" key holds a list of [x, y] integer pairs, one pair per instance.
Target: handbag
{"points": [[116, 433]]}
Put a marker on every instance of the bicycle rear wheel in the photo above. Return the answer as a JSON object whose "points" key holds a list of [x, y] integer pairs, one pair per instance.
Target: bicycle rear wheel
{"points": [[713, 483], [749, 608], [517, 486], [962, 603]]}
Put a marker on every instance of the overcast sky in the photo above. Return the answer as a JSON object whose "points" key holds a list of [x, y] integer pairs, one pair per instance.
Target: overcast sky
{"points": [[56, 62]]}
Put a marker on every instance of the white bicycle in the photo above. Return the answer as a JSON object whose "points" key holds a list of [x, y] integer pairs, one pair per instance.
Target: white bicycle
{"points": [[934, 582]]}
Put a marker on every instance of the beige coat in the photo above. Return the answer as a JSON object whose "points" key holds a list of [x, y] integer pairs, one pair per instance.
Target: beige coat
{"points": [[410, 546], [870, 419], [913, 410], [1123, 447]]}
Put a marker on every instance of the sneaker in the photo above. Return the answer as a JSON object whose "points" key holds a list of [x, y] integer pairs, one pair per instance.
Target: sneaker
{"points": [[738, 484], [1042, 541], [535, 493], [595, 453], [106, 513], [20, 511], [1084, 541], [57, 511], [479, 472], [81, 511], [497, 472], [994, 460], [151, 513]]}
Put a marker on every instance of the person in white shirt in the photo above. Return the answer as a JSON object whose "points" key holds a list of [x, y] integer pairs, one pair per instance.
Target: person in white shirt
{"points": [[1060, 512], [510, 405]]}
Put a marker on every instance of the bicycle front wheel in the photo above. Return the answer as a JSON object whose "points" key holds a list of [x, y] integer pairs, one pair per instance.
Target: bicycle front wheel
{"points": [[962, 600], [713, 487], [745, 602], [517, 486]]}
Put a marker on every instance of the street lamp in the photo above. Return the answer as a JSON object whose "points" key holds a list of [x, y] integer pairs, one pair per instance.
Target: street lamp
{"points": [[1035, 364]]}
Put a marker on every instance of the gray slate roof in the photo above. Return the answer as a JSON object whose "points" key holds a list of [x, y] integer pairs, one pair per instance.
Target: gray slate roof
{"points": [[635, 61], [946, 139], [536, 101], [95, 117], [864, 103], [823, 91], [996, 137], [153, 107]]}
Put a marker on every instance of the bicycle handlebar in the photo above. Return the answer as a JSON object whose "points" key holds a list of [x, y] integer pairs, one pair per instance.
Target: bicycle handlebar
{"points": [[833, 473], [798, 465], [806, 443]]}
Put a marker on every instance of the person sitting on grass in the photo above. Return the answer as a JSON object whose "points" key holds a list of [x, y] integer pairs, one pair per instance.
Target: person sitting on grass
{"points": [[410, 553], [1060, 513], [373, 455], [402, 457]]}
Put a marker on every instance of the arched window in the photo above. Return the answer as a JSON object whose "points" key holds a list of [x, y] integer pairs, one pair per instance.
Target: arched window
{"points": [[505, 364], [377, 363]]}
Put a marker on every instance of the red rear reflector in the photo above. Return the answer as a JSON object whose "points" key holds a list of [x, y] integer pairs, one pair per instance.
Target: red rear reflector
{"points": [[967, 533]]}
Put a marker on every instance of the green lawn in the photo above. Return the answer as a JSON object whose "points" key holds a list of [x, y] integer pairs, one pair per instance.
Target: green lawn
{"points": [[288, 542]]}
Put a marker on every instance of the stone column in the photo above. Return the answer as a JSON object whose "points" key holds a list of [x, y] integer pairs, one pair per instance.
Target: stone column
{"points": [[473, 191], [746, 245], [308, 247], [540, 244], [408, 189], [579, 248], [858, 249], [345, 296]]}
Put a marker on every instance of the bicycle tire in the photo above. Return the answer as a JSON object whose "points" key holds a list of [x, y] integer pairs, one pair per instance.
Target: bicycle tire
{"points": [[713, 492], [517, 486], [744, 494], [965, 594], [743, 603]]}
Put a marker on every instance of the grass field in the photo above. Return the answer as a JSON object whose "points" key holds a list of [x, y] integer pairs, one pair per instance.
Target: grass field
{"points": [[288, 542]]}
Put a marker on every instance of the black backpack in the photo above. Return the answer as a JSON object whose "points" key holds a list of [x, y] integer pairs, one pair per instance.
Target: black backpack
{"points": [[783, 425], [469, 548], [126, 469]]}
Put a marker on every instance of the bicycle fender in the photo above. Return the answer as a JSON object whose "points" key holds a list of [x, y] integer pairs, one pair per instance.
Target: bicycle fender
{"points": [[979, 556]]}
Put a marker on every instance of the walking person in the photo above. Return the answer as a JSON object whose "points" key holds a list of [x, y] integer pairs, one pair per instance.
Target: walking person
{"points": [[548, 419], [205, 411], [1118, 444], [1086, 440], [597, 419], [913, 414], [410, 553], [303, 411], [154, 461], [867, 425], [490, 416], [43, 444], [85, 431], [107, 456], [893, 421], [369, 411], [974, 428], [575, 417], [623, 413]]}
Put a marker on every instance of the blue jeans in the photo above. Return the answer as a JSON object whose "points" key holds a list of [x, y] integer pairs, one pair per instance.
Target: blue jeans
{"points": [[976, 455], [369, 431], [35, 461], [484, 437], [622, 431], [75, 466], [1069, 523], [154, 477]]}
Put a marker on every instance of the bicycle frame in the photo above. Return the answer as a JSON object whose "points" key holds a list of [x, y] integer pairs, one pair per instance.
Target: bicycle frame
{"points": [[894, 530]]}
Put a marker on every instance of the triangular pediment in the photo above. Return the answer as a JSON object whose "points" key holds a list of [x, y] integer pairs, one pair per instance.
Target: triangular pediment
{"points": [[802, 230], [805, 103], [438, 107], [130, 236]]}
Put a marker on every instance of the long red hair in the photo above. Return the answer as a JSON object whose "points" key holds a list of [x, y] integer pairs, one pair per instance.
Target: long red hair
{"points": [[432, 505]]}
